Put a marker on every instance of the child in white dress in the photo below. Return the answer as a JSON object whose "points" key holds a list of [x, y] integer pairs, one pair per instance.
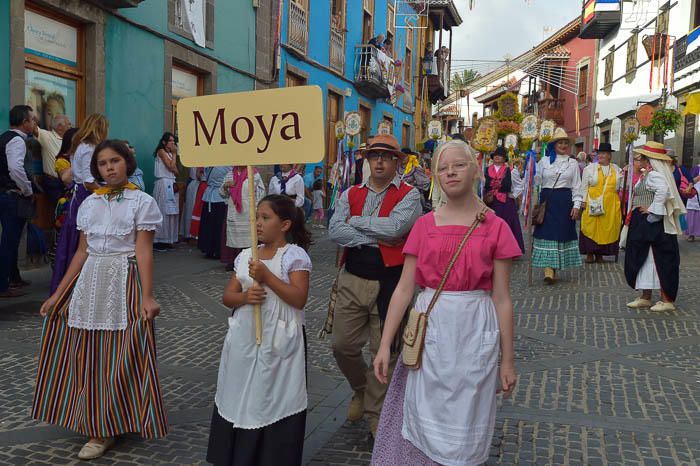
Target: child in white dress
{"points": [[261, 398]]}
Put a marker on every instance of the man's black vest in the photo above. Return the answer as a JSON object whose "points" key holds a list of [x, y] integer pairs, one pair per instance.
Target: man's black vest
{"points": [[6, 183]]}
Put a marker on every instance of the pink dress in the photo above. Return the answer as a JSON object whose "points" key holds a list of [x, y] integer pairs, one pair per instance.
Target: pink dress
{"points": [[444, 412]]}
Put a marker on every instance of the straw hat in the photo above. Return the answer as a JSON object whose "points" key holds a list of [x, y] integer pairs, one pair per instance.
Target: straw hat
{"points": [[653, 150], [559, 134], [383, 143]]}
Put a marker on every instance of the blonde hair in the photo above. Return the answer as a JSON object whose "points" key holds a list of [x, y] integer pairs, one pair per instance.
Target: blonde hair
{"points": [[438, 195], [93, 131]]}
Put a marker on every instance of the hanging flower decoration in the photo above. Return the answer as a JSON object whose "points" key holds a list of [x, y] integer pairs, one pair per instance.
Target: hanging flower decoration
{"points": [[507, 127], [663, 122]]}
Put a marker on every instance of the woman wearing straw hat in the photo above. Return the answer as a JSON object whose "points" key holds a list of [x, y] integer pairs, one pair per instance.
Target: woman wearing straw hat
{"points": [[652, 259], [555, 240]]}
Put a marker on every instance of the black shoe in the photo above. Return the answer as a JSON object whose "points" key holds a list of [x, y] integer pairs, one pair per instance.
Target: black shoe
{"points": [[12, 293], [20, 284], [230, 267], [159, 247]]}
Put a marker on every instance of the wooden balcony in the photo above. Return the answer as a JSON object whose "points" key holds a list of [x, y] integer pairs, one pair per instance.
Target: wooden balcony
{"points": [[373, 70], [298, 28], [552, 109], [337, 53]]}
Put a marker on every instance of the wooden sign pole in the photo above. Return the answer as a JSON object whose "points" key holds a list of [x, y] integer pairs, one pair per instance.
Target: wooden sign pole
{"points": [[252, 219]]}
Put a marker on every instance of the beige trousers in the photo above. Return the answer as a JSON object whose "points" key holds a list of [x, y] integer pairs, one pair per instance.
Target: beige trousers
{"points": [[356, 320]]}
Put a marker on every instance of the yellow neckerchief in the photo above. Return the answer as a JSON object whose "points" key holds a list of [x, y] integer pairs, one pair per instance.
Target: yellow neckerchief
{"points": [[411, 164], [111, 192]]}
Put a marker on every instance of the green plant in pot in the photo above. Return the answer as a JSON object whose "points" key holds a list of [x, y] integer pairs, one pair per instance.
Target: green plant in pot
{"points": [[663, 122]]}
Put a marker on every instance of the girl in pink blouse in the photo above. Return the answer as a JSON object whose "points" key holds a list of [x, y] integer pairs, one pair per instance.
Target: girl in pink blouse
{"points": [[444, 412]]}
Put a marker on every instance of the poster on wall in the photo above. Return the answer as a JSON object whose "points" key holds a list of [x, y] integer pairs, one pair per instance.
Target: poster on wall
{"points": [[184, 84], [195, 14], [49, 96], [48, 38]]}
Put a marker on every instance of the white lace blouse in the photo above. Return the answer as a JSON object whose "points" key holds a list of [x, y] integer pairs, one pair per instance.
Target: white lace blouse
{"points": [[99, 299], [110, 226]]}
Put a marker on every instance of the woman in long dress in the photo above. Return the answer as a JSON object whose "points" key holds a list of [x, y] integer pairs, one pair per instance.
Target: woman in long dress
{"points": [[235, 192], [556, 241], [92, 132], [600, 229], [652, 259], [196, 175], [501, 193], [693, 207], [165, 172], [97, 371], [445, 411]]}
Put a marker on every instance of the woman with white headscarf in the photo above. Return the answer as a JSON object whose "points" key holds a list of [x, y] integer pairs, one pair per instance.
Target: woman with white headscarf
{"points": [[652, 258]]}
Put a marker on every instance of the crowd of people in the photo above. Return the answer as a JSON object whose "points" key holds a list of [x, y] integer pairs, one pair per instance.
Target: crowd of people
{"points": [[448, 224]]}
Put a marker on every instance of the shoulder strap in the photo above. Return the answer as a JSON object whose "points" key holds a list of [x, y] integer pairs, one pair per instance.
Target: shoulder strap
{"points": [[478, 219]]}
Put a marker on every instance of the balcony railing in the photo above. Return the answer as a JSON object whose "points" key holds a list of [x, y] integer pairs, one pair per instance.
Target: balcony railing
{"points": [[337, 58], [298, 32], [374, 72]]}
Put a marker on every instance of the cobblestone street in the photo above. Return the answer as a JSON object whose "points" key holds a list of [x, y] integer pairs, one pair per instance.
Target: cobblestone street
{"points": [[598, 383]]}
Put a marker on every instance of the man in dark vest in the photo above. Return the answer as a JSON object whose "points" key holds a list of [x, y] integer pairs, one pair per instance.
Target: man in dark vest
{"points": [[371, 221], [14, 188]]}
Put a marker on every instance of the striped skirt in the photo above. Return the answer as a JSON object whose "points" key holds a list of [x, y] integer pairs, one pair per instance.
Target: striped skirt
{"points": [[100, 383]]}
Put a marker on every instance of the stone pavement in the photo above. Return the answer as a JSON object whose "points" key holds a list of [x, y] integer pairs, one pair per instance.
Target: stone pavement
{"points": [[599, 384]]}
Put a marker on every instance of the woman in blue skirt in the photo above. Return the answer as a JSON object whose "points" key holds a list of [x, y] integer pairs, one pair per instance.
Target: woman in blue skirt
{"points": [[555, 240]]}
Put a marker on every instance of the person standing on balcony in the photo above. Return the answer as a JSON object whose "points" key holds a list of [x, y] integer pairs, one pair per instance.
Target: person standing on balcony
{"points": [[556, 240], [371, 221]]}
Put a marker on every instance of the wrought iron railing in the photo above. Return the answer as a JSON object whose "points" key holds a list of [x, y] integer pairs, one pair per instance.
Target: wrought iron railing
{"points": [[298, 32], [337, 58], [372, 65]]}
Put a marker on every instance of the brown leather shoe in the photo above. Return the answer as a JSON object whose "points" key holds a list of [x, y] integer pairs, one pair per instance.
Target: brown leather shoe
{"points": [[589, 259], [12, 293], [356, 410]]}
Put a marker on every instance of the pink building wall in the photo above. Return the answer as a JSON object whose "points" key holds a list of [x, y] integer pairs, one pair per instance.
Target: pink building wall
{"points": [[582, 51]]}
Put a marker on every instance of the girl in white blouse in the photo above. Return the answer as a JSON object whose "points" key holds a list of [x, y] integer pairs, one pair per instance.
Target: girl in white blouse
{"points": [[261, 399], [97, 370]]}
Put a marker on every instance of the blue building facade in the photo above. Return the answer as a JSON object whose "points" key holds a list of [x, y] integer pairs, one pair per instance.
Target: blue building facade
{"points": [[323, 43]]}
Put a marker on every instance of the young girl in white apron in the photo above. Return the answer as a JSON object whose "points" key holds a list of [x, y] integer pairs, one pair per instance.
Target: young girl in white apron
{"points": [[444, 412], [97, 371], [261, 399]]}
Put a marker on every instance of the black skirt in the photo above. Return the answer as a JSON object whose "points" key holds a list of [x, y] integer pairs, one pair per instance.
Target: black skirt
{"points": [[211, 226], [643, 235], [277, 444]]}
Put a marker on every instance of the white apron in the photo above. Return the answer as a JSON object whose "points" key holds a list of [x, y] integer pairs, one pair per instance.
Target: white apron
{"points": [[449, 410], [99, 297], [260, 385]]}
